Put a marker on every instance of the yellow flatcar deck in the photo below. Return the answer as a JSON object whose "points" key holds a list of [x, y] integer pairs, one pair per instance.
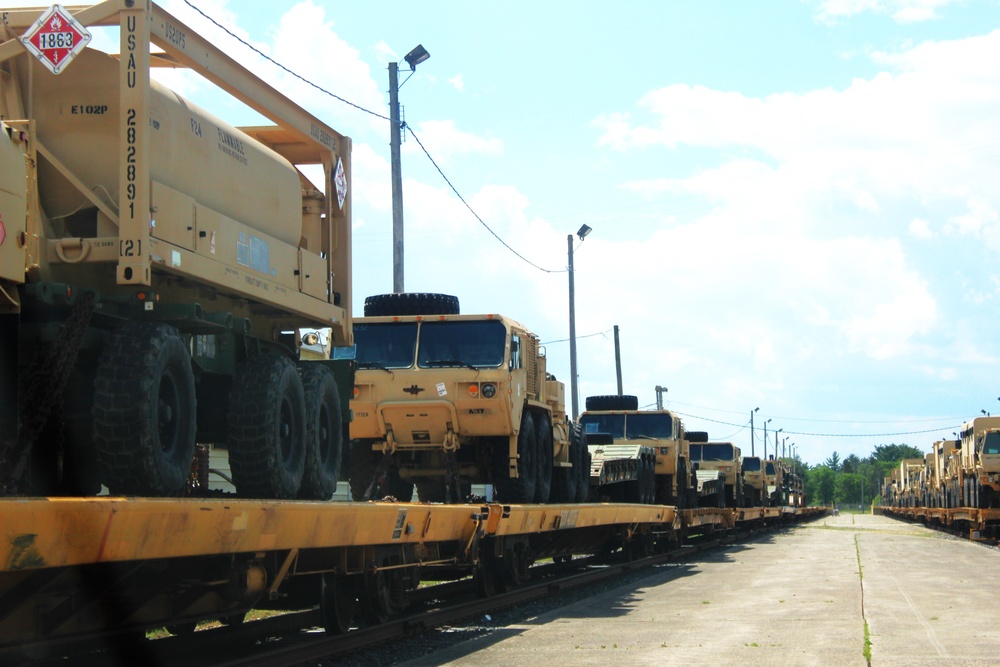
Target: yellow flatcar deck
{"points": [[58, 532]]}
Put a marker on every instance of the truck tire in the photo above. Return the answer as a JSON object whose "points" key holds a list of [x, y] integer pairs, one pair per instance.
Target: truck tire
{"points": [[566, 480], [324, 433], [144, 411], [520, 489], [583, 481], [411, 303], [614, 402], [696, 436], [267, 428], [543, 480]]}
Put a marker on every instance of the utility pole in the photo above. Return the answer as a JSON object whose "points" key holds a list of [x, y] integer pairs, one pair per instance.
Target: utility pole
{"points": [[618, 361], [751, 433], [572, 332], [416, 55], [397, 180]]}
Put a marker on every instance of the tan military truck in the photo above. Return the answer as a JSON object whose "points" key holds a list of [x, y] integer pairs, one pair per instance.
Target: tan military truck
{"points": [[942, 452], [635, 432], [444, 400], [156, 264], [980, 462], [909, 476], [722, 457], [754, 484], [775, 477]]}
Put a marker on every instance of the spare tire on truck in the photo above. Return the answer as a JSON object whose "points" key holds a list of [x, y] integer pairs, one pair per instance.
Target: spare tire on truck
{"points": [[696, 436], [411, 303], [615, 402]]}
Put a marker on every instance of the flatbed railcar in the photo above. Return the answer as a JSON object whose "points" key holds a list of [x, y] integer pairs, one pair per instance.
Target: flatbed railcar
{"points": [[72, 568]]}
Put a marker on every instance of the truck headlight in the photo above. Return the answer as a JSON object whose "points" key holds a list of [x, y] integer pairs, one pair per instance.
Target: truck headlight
{"points": [[489, 390]]}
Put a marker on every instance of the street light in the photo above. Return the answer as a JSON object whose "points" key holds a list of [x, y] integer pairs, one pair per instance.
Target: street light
{"points": [[751, 430], [660, 391], [765, 439], [582, 234], [418, 55]]}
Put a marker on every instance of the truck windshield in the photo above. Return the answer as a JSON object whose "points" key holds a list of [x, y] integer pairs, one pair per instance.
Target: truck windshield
{"points": [[649, 425], [389, 345], [713, 451], [751, 463], [478, 343], [769, 469], [613, 424], [991, 443]]}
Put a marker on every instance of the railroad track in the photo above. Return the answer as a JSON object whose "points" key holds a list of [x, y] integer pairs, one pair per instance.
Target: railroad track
{"points": [[297, 638]]}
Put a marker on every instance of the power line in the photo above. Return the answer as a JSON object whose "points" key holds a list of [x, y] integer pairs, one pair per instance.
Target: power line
{"points": [[377, 115], [827, 435], [279, 65], [476, 215]]}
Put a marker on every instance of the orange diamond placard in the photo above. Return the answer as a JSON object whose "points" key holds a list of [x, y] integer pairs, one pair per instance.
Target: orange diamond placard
{"points": [[55, 38]]}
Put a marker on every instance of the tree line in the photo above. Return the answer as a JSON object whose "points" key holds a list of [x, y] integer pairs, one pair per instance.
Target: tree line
{"points": [[852, 480]]}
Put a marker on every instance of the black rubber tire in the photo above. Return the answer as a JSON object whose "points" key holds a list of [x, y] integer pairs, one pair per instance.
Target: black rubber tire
{"points": [[583, 481], [696, 436], [613, 402], [267, 428], [543, 439], [411, 303], [564, 480], [144, 411], [324, 432], [520, 489]]}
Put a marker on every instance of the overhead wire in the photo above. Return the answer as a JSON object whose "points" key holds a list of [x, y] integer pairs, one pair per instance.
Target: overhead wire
{"points": [[403, 126]]}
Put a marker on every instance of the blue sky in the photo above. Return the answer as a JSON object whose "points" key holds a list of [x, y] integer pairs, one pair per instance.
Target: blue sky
{"points": [[794, 203]]}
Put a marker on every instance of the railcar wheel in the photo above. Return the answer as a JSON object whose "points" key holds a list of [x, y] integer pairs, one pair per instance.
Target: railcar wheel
{"points": [[324, 433], [267, 428], [520, 489], [144, 411], [514, 566], [338, 596], [543, 438]]}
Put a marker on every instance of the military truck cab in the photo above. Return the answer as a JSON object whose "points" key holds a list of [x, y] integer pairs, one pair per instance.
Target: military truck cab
{"points": [[443, 401]]}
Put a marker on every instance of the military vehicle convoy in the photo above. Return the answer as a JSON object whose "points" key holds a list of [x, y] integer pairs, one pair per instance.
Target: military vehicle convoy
{"points": [[156, 264], [963, 473], [443, 401]]}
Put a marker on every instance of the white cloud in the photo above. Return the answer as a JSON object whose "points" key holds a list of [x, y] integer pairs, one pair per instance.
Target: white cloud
{"points": [[457, 81], [921, 229], [902, 11], [443, 140]]}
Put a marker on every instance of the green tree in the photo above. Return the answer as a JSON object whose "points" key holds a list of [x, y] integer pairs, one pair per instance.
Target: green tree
{"points": [[833, 463], [821, 484], [850, 464]]}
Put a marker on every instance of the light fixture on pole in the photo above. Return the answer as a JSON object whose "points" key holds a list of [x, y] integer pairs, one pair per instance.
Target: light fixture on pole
{"points": [[751, 430], [776, 442], [418, 55], [660, 391], [582, 234], [765, 438]]}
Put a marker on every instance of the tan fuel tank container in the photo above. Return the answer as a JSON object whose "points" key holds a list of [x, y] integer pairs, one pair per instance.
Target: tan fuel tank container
{"points": [[194, 152]]}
